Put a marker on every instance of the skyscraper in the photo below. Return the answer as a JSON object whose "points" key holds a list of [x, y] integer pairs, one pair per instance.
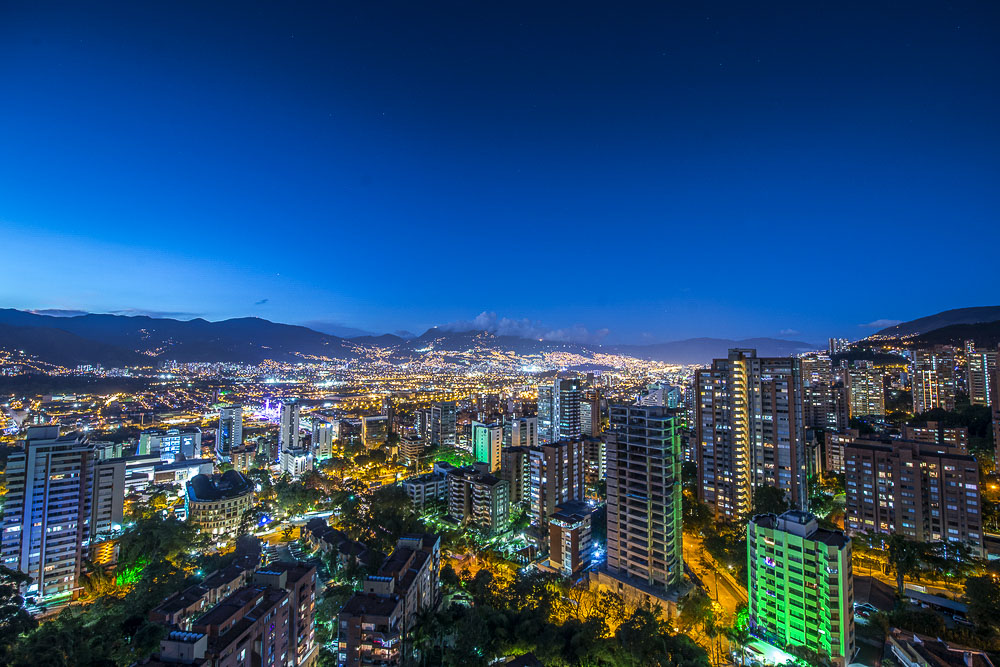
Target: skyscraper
{"points": [[49, 514], [801, 585], [818, 402], [229, 435], [934, 378], [865, 390], [590, 412], [288, 428], [749, 431], [545, 412], [644, 496], [524, 432], [323, 435], [487, 440], [566, 395], [981, 367]]}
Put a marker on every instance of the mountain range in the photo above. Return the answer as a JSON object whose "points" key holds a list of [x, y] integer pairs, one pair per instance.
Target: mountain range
{"points": [[947, 318], [120, 340]]}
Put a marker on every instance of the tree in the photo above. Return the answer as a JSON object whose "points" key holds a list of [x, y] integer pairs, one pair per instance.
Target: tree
{"points": [[982, 594], [905, 558], [769, 500], [14, 619]]}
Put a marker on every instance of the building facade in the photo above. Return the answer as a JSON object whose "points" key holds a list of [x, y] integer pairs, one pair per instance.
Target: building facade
{"points": [[229, 434], [801, 585], [217, 502], [644, 496], [933, 378], [865, 390]]}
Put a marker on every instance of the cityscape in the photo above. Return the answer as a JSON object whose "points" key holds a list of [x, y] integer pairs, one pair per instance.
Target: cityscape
{"points": [[732, 397]]}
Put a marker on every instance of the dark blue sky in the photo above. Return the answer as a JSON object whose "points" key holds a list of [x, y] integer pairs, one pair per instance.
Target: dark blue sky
{"points": [[730, 169]]}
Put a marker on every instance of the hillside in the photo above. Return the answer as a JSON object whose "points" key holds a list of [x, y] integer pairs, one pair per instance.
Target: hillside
{"points": [[985, 334], [943, 319]]}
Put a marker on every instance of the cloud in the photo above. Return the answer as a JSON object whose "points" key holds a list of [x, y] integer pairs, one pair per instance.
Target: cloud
{"points": [[881, 324], [58, 312], [525, 328], [142, 312], [261, 302], [789, 332]]}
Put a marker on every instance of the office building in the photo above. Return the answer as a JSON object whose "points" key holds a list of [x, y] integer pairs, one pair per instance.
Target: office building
{"points": [[217, 502], [376, 626], [801, 585], [229, 434], [555, 477], [57, 501], [324, 434], [749, 431], [487, 440], [644, 496], [288, 429], [865, 390], [569, 537], [478, 498], [171, 444], [933, 378], [981, 365], [926, 492]]}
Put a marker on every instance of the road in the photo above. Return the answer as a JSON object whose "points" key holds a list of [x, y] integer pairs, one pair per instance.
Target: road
{"points": [[719, 584]]}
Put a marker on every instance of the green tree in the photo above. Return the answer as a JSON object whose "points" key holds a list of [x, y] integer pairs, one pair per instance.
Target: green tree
{"points": [[982, 594], [14, 619], [905, 558], [769, 500]]}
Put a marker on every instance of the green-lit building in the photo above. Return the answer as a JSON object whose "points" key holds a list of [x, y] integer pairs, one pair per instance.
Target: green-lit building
{"points": [[487, 441], [801, 586]]}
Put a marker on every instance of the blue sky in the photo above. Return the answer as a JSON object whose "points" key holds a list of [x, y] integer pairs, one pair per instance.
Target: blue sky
{"points": [[628, 172]]}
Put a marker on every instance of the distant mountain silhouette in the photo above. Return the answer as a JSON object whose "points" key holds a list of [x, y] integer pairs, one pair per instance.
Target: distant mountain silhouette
{"points": [[985, 334], [943, 319], [116, 338], [703, 350]]}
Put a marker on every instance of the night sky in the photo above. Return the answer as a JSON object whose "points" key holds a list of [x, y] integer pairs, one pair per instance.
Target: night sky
{"points": [[738, 169]]}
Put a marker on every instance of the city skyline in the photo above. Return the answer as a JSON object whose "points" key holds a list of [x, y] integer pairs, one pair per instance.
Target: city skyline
{"points": [[306, 163]]}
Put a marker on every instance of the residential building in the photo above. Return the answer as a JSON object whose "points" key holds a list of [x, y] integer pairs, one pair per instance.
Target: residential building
{"points": [[229, 434], [749, 431], [296, 462], [569, 537], [301, 581], [933, 378], [981, 370], [594, 460], [566, 395], [324, 434], [487, 440], [956, 437], [644, 496], [926, 492], [555, 477], [819, 405], [523, 432], [515, 467], [375, 431], [449, 423], [913, 650], [546, 406], [288, 429], [377, 625], [49, 511], [801, 585], [478, 498], [411, 448], [591, 423], [838, 345], [865, 390], [835, 445], [217, 502], [429, 488]]}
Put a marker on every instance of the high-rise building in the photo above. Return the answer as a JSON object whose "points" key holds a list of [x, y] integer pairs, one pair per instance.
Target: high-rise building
{"points": [[590, 412], [933, 378], [229, 435], [296, 462], [865, 390], [801, 585], [324, 433], [926, 492], [556, 476], [570, 538], [217, 502], [936, 433], [515, 468], [595, 455], [566, 395], [749, 431], [524, 432], [838, 345], [835, 444], [818, 403], [288, 428], [644, 496], [487, 440], [449, 423], [981, 365], [59, 497], [546, 406]]}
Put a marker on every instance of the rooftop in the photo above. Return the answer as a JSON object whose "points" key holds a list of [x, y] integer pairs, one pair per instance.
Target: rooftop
{"points": [[206, 488]]}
